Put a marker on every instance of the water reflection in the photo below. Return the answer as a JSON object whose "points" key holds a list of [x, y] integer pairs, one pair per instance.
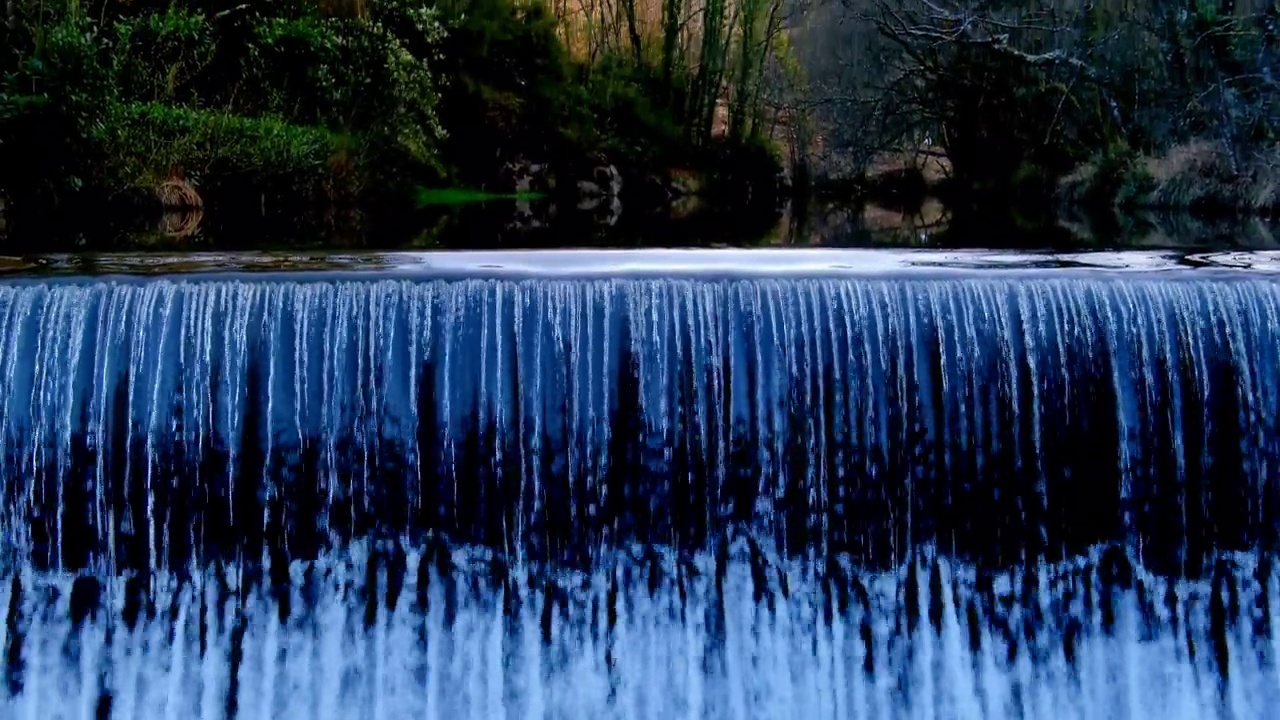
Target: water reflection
{"points": [[504, 224], [932, 224]]}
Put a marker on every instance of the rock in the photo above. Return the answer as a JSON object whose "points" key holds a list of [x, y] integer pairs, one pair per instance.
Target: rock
{"points": [[605, 182], [785, 178], [527, 216], [523, 176], [607, 210], [612, 211], [609, 179], [590, 194], [524, 218]]}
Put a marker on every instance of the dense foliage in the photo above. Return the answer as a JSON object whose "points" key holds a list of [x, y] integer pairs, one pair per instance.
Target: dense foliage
{"points": [[112, 97], [316, 103], [1167, 102]]}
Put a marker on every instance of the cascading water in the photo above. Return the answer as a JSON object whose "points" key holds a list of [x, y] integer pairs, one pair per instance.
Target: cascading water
{"points": [[961, 495]]}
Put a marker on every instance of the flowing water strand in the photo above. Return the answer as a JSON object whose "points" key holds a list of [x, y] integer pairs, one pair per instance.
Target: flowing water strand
{"points": [[973, 496]]}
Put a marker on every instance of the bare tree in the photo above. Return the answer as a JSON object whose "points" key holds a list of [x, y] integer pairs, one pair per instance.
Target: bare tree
{"points": [[1000, 91]]}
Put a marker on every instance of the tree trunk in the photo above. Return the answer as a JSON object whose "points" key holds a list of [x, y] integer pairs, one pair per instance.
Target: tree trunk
{"points": [[633, 30], [710, 71], [671, 11], [741, 107]]}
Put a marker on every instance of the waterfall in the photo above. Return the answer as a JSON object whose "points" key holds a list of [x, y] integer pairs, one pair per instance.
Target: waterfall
{"points": [[972, 495]]}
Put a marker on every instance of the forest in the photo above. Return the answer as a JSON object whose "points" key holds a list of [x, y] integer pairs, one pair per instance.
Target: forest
{"points": [[1111, 103], [333, 108]]}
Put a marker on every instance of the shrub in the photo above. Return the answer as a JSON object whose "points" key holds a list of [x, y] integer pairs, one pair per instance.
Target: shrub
{"points": [[510, 87], [48, 100], [267, 91], [158, 56], [324, 98], [747, 171], [151, 142], [627, 117], [359, 76]]}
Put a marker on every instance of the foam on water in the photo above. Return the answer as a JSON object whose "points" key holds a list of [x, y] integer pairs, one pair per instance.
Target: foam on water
{"points": [[1091, 639]]}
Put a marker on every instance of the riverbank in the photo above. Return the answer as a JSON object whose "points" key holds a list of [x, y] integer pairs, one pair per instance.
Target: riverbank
{"points": [[1125, 198], [508, 224], [341, 113], [1202, 176]]}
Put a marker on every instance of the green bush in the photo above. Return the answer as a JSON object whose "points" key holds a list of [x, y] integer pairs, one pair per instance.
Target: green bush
{"points": [[149, 142], [628, 116], [746, 171], [513, 90], [159, 56], [510, 87], [292, 68], [292, 96], [392, 91], [359, 76], [259, 92], [51, 95]]}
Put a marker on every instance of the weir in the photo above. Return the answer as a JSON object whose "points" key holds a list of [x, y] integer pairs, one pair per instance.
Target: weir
{"points": [[789, 485]]}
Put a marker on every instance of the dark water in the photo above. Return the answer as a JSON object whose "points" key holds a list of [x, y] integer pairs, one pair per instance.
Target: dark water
{"points": [[512, 225], [750, 484]]}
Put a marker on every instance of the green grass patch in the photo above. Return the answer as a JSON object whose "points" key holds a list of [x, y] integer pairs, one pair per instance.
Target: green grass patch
{"points": [[465, 196]]}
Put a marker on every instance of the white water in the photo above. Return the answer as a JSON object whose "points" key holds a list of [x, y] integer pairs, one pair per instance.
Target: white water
{"points": [[323, 662], [158, 425], [894, 395]]}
